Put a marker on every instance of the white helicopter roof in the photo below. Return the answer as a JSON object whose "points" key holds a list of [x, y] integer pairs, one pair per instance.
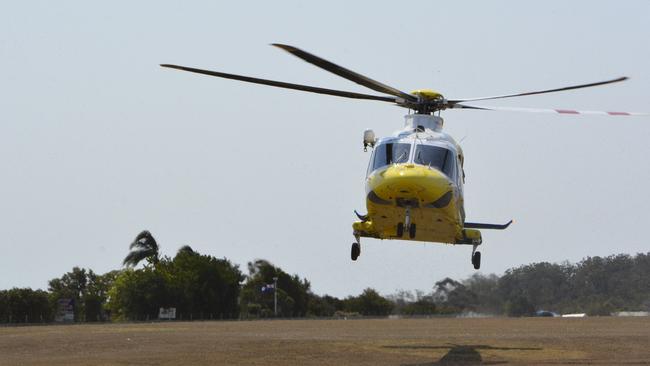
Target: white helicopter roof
{"points": [[426, 129]]}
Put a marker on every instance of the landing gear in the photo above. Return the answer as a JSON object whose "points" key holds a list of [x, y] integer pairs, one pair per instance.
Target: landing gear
{"points": [[476, 258], [407, 224], [407, 218], [355, 251], [412, 231]]}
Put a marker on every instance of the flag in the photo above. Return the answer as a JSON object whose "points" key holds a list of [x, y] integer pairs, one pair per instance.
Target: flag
{"points": [[268, 288]]}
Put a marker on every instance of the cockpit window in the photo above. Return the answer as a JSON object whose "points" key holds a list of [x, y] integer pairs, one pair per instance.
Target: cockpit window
{"points": [[436, 157], [391, 153]]}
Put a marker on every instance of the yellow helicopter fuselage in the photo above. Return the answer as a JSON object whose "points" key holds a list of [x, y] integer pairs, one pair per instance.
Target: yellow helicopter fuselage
{"points": [[433, 200], [414, 187]]}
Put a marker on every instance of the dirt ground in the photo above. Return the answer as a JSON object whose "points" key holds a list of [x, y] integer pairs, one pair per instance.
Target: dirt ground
{"points": [[487, 341]]}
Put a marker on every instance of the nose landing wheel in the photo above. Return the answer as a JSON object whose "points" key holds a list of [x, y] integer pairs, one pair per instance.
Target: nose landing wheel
{"points": [[400, 230], [412, 231], [407, 224]]}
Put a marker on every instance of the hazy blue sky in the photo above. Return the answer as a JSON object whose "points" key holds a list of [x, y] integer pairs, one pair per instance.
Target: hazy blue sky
{"points": [[98, 143]]}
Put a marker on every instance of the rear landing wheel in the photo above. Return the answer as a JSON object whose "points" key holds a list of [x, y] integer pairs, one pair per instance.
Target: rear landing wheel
{"points": [[400, 230], [355, 251], [476, 260]]}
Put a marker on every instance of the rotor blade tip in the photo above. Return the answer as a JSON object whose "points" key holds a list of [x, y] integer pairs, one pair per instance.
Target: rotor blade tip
{"points": [[285, 47]]}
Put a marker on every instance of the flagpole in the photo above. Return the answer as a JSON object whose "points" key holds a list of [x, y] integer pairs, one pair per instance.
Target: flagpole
{"points": [[275, 296]]}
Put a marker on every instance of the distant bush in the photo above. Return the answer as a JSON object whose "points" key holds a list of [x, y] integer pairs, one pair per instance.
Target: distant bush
{"points": [[369, 303], [24, 305]]}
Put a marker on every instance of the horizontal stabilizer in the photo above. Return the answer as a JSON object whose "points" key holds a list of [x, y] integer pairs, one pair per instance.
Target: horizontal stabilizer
{"points": [[474, 225], [361, 217]]}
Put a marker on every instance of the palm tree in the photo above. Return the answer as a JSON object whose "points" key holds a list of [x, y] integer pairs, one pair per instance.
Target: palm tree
{"points": [[143, 247]]}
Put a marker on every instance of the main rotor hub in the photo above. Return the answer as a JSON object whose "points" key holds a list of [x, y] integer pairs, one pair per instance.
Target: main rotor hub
{"points": [[428, 101], [427, 94]]}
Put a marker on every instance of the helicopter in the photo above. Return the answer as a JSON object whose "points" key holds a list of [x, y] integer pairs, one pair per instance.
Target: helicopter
{"points": [[414, 182]]}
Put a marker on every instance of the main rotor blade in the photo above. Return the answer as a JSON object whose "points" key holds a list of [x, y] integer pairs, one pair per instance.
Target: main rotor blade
{"points": [[451, 102], [548, 110], [280, 84], [345, 73]]}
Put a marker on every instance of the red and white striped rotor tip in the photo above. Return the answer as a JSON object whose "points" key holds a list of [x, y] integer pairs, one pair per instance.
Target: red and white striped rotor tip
{"points": [[551, 110]]}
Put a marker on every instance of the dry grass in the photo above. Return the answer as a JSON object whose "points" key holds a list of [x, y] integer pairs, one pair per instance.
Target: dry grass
{"points": [[334, 342]]}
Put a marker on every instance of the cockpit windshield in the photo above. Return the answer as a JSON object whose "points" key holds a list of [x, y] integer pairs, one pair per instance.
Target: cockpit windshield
{"points": [[391, 153], [436, 157]]}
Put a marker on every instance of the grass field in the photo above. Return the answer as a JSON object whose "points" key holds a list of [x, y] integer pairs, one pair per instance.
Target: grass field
{"points": [[606, 340]]}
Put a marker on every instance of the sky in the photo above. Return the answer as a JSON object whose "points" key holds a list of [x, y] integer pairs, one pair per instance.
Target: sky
{"points": [[97, 142]]}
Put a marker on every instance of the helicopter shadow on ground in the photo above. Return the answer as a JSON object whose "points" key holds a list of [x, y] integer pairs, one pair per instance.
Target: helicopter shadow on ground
{"points": [[462, 354]]}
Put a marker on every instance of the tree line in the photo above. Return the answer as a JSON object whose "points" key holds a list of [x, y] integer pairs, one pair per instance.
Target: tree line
{"points": [[202, 286]]}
